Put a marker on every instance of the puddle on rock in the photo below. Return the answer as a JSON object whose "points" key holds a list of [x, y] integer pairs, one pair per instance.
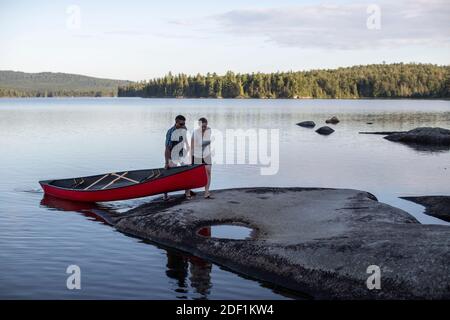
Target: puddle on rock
{"points": [[226, 231]]}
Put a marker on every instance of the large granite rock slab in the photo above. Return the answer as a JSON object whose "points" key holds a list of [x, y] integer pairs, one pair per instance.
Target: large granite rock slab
{"points": [[316, 241]]}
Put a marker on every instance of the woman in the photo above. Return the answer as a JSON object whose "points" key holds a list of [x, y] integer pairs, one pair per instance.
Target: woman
{"points": [[201, 150]]}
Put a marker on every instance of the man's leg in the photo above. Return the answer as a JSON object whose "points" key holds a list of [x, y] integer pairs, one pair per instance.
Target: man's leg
{"points": [[170, 165], [187, 193]]}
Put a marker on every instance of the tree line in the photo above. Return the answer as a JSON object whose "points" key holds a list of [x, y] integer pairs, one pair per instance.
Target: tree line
{"points": [[371, 81]]}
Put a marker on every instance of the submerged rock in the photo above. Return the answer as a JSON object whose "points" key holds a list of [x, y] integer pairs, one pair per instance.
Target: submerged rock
{"points": [[307, 124], [436, 206], [332, 120], [422, 135], [325, 130], [383, 133], [317, 241]]}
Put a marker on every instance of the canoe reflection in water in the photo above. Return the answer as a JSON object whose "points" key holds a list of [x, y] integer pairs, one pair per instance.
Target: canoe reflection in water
{"points": [[186, 269], [91, 210]]}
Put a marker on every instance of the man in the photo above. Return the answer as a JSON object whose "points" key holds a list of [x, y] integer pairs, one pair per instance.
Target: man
{"points": [[176, 147]]}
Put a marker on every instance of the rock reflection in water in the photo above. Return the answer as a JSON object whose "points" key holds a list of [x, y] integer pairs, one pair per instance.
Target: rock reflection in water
{"points": [[423, 148], [182, 268]]}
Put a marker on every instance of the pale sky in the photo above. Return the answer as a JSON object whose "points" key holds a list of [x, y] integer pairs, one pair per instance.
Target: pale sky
{"points": [[138, 40]]}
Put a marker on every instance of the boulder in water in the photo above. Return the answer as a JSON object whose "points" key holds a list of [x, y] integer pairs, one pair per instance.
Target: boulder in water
{"points": [[307, 124], [333, 120], [422, 135], [325, 130]]}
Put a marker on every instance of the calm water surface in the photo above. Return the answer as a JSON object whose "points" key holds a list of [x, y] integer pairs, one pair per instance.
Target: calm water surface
{"points": [[59, 138]]}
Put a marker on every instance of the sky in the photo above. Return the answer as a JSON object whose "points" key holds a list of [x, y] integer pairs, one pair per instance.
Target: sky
{"points": [[138, 40]]}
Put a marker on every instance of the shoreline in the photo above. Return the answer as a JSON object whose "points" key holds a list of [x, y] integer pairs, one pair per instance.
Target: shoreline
{"points": [[435, 206], [242, 98]]}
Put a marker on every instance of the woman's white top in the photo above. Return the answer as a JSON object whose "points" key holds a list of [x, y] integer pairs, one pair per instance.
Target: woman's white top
{"points": [[202, 143]]}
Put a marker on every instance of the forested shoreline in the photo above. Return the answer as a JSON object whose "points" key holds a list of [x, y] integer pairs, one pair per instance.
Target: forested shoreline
{"points": [[400, 80], [370, 81]]}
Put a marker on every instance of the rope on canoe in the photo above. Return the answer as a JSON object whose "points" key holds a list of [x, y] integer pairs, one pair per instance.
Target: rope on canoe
{"points": [[77, 183], [115, 180], [148, 177], [123, 177], [153, 176], [97, 181]]}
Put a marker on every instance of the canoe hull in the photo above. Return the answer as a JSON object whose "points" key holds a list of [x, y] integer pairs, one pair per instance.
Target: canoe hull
{"points": [[189, 179]]}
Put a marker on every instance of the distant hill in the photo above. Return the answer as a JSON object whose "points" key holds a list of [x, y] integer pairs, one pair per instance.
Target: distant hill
{"points": [[49, 84]]}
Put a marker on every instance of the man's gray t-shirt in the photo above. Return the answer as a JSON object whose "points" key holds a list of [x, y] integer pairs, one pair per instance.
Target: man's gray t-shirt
{"points": [[175, 136]]}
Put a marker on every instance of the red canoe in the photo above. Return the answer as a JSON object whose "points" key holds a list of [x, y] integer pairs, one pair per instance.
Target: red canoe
{"points": [[127, 185]]}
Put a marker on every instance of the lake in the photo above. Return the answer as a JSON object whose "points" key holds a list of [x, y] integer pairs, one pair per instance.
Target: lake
{"points": [[61, 138]]}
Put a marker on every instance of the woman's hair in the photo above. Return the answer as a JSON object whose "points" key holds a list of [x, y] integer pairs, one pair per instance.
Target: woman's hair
{"points": [[203, 120]]}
